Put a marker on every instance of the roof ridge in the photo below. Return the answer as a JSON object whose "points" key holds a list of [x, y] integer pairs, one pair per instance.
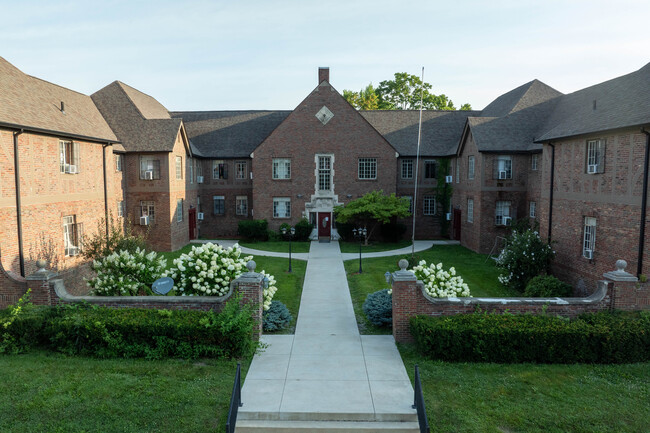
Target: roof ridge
{"points": [[54, 84], [119, 85]]}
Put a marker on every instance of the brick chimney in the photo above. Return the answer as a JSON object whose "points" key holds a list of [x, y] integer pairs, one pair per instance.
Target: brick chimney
{"points": [[323, 74]]}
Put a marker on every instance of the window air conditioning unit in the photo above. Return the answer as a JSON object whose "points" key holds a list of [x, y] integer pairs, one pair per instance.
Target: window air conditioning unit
{"points": [[592, 168], [144, 220], [72, 169], [448, 216], [448, 179], [73, 251], [148, 175], [588, 254], [199, 179], [506, 221], [199, 216], [503, 174]]}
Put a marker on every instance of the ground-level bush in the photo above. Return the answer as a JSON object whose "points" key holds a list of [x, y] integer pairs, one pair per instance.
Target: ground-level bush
{"points": [[547, 286], [378, 308], [277, 317], [254, 230], [505, 338], [303, 229]]}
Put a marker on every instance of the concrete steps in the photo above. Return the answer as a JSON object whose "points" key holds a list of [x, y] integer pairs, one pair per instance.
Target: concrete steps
{"points": [[275, 426]]}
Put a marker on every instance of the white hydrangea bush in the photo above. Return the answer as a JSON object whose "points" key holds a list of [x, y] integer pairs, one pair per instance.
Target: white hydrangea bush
{"points": [[126, 274], [440, 283], [269, 291]]}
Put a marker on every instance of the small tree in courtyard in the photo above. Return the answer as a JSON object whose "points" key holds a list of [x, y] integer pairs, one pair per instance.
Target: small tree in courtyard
{"points": [[524, 257], [372, 210]]}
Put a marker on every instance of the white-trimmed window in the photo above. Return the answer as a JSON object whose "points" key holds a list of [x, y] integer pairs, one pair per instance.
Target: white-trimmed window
{"points": [[589, 238], [532, 209], [219, 169], [430, 168], [367, 168], [191, 162], [149, 168], [148, 208], [470, 167], [179, 167], [457, 170], [503, 167], [281, 168], [533, 161], [502, 214], [72, 234], [410, 199], [429, 205], [281, 207], [240, 170], [119, 161], [470, 210], [199, 168], [120, 208], [407, 169], [69, 156], [595, 156], [324, 173], [179, 210], [219, 204], [242, 205]]}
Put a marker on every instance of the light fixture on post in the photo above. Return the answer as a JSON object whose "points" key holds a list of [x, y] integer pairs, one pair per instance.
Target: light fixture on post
{"points": [[289, 233], [360, 234]]}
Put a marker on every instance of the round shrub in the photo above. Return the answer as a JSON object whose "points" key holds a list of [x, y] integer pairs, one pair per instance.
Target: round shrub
{"points": [[547, 286], [277, 317], [524, 257], [439, 283], [378, 308], [303, 229], [126, 274]]}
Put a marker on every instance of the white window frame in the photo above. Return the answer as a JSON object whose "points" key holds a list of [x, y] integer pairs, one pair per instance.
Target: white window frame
{"points": [[120, 208], [589, 236], [190, 169], [429, 205], [532, 209], [367, 168], [533, 162], [179, 210], [179, 167], [502, 210], [286, 207], [503, 164], [72, 235], [219, 169], [222, 208], [281, 168], [407, 169], [241, 205], [324, 170], [69, 154], [149, 163], [148, 208], [471, 166], [470, 210], [596, 156], [241, 167], [119, 162]]}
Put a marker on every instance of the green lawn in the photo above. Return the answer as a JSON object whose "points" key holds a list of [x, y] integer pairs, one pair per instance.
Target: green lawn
{"points": [[479, 274], [279, 246], [44, 392], [530, 398], [353, 247]]}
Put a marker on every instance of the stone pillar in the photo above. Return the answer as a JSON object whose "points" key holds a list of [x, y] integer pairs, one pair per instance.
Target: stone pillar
{"points": [[405, 305], [40, 284], [628, 293], [251, 286]]}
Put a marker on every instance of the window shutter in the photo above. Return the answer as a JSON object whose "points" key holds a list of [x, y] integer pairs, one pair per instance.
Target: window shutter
{"points": [[601, 156], [76, 156]]}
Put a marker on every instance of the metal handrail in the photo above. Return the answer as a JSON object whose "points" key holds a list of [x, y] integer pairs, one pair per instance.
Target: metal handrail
{"points": [[418, 404], [235, 402]]}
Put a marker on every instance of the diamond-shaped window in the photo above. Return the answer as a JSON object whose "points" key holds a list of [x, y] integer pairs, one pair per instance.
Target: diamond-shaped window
{"points": [[324, 115]]}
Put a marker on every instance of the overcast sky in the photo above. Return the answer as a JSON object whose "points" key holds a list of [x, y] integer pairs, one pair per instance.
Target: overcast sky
{"points": [[233, 55]]}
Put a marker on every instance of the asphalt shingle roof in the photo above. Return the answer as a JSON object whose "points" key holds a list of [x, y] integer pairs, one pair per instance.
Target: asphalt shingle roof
{"points": [[229, 134], [619, 103], [140, 122], [34, 103]]}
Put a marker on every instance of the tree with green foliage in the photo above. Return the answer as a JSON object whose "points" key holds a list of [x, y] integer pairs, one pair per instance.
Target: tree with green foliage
{"points": [[372, 210], [401, 93]]}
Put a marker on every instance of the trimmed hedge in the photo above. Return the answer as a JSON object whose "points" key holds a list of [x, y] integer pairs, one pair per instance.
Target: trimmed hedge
{"points": [[132, 333], [254, 230], [505, 338], [547, 286]]}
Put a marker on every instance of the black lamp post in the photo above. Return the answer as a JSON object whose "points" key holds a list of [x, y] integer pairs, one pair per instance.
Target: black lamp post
{"points": [[289, 233], [360, 234]]}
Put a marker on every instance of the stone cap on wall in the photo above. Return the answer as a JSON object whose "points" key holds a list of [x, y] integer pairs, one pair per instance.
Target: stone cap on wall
{"points": [[403, 274], [620, 274]]}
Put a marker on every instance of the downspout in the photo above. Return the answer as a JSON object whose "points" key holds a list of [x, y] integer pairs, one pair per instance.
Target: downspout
{"points": [[644, 203], [550, 199], [104, 146], [19, 219]]}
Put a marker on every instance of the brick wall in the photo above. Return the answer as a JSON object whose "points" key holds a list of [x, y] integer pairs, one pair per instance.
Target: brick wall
{"points": [[11, 288]]}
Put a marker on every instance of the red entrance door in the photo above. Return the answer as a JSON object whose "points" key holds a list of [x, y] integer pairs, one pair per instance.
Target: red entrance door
{"points": [[324, 224], [192, 218], [457, 213]]}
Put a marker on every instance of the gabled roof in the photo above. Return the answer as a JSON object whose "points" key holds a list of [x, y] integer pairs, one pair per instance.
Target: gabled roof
{"points": [[229, 134], [34, 103], [618, 103], [525, 96], [139, 121], [441, 130]]}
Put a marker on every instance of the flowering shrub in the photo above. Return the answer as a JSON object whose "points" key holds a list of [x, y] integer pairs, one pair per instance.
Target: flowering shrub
{"points": [[524, 257], [126, 274], [269, 291], [439, 283]]}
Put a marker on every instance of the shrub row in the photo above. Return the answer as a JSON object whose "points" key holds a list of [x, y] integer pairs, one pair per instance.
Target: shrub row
{"points": [[132, 333], [254, 230], [506, 338]]}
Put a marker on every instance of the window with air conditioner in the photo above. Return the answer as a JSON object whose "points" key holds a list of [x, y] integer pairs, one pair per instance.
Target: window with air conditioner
{"points": [[502, 213], [72, 235], [149, 168], [503, 167], [595, 156], [147, 209], [199, 171], [69, 157], [219, 169], [589, 237]]}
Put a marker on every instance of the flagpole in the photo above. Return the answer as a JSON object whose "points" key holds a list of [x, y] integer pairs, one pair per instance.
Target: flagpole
{"points": [[417, 165]]}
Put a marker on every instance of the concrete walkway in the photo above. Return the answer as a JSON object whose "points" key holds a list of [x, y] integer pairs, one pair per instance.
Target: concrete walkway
{"points": [[327, 371]]}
